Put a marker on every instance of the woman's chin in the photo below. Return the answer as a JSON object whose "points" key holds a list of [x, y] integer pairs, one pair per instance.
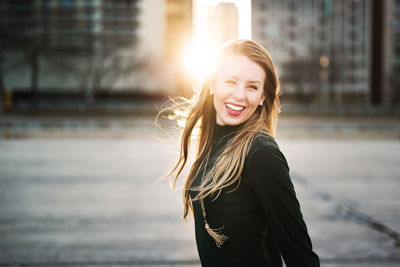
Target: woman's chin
{"points": [[231, 121]]}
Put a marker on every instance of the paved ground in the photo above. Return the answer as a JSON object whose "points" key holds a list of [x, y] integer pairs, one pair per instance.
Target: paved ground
{"points": [[82, 192]]}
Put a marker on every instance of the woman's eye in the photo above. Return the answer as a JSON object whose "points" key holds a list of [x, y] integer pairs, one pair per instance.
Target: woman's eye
{"points": [[230, 82], [253, 87]]}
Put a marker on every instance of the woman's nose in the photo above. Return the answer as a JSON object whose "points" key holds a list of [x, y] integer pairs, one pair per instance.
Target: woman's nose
{"points": [[239, 93]]}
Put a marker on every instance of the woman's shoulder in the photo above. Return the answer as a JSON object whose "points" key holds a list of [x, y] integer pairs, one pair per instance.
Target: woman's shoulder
{"points": [[265, 147], [263, 140]]}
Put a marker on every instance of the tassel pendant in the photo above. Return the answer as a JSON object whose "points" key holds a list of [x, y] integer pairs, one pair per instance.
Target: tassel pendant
{"points": [[216, 234]]}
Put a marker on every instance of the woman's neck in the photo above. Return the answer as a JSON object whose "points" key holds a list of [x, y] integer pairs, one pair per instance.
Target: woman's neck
{"points": [[224, 130]]}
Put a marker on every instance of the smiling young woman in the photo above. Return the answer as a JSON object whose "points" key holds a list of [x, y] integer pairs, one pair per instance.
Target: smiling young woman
{"points": [[239, 189]]}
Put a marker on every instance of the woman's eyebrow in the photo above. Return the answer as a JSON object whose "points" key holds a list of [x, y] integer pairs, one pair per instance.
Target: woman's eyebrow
{"points": [[253, 81], [233, 76], [236, 78]]}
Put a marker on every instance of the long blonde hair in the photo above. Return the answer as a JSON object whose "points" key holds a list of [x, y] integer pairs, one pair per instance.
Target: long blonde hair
{"points": [[200, 113]]}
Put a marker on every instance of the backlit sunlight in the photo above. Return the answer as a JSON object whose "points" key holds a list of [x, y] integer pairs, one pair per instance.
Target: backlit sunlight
{"points": [[197, 59], [208, 24]]}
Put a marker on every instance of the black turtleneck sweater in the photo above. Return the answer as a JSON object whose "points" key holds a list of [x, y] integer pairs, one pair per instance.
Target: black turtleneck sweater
{"points": [[261, 218]]}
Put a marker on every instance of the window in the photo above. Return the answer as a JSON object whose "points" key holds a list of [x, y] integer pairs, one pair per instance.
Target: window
{"points": [[66, 3]]}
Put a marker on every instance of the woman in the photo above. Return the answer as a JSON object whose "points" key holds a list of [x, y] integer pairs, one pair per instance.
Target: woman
{"points": [[245, 208]]}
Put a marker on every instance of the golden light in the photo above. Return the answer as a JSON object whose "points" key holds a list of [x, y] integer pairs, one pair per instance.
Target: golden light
{"points": [[197, 56], [197, 59], [202, 8]]}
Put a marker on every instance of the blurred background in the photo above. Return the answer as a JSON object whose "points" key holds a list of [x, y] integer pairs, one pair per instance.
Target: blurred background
{"points": [[81, 83], [80, 55]]}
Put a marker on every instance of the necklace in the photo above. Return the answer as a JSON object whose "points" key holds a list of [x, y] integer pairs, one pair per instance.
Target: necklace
{"points": [[215, 234]]}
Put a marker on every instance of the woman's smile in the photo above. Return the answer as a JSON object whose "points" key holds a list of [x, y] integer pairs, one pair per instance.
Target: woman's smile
{"points": [[234, 109]]}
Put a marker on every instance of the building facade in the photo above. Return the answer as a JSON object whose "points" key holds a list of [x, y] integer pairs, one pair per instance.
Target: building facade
{"points": [[390, 54], [396, 53], [77, 41], [178, 33], [321, 47], [222, 23]]}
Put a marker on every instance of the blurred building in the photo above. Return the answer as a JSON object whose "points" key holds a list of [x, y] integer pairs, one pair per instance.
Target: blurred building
{"points": [[395, 75], [178, 32], [321, 47], [178, 26], [79, 24], [387, 56], [68, 45], [222, 23]]}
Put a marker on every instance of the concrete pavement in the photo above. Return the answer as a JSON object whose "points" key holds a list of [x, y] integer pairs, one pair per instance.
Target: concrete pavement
{"points": [[87, 196]]}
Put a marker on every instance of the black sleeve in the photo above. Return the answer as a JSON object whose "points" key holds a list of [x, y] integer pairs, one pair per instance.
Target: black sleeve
{"points": [[268, 176]]}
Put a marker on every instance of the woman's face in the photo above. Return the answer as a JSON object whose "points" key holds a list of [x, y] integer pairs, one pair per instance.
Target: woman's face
{"points": [[238, 89]]}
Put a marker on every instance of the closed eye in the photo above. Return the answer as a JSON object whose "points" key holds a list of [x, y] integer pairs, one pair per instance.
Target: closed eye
{"points": [[230, 82]]}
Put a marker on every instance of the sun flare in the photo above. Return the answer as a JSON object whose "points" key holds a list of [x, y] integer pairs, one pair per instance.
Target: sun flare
{"points": [[198, 54], [197, 61]]}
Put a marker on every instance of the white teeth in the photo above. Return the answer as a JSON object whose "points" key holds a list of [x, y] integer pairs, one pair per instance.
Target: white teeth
{"points": [[234, 107]]}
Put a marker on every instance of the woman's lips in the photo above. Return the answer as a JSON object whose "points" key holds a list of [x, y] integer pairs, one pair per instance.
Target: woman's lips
{"points": [[232, 111]]}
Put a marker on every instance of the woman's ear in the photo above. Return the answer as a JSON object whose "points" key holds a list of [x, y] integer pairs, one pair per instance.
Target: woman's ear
{"points": [[212, 86], [263, 97]]}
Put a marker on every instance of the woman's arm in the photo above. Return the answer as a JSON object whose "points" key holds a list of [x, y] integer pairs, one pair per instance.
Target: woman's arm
{"points": [[268, 176]]}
